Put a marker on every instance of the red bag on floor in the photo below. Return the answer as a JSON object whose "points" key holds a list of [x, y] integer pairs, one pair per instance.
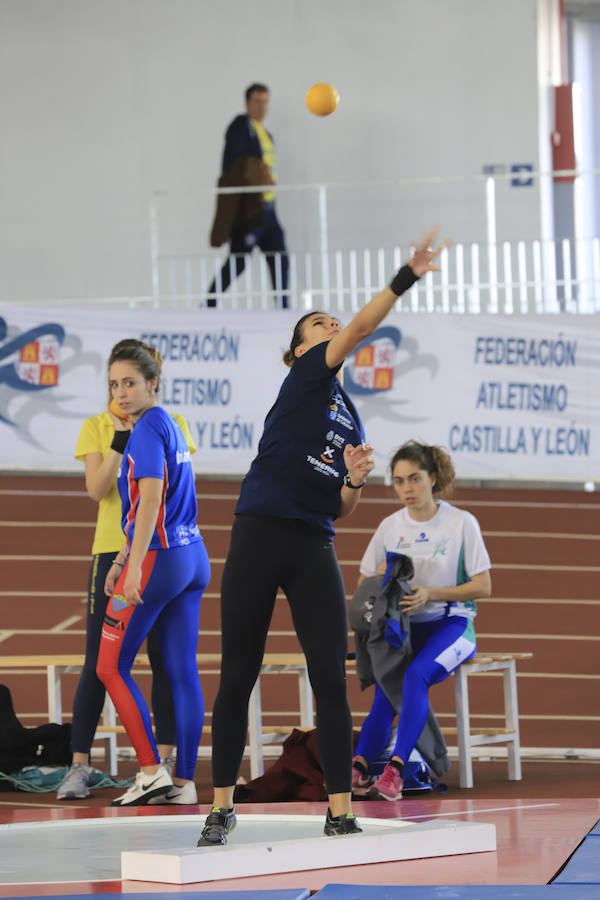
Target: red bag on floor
{"points": [[297, 774]]}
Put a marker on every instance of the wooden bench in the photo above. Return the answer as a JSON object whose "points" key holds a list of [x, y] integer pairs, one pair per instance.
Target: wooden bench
{"points": [[467, 736], [273, 663], [276, 663]]}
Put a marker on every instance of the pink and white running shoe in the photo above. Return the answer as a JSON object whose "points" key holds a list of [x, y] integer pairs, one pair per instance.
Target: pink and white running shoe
{"points": [[360, 782], [388, 786]]}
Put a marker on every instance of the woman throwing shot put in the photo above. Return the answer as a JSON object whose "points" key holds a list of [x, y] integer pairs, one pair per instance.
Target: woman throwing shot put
{"points": [[299, 482]]}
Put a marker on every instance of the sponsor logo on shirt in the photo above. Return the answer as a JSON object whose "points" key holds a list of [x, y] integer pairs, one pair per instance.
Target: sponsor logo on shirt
{"points": [[400, 541], [183, 456], [422, 539], [339, 413], [322, 467], [336, 439], [185, 532], [327, 454], [441, 548]]}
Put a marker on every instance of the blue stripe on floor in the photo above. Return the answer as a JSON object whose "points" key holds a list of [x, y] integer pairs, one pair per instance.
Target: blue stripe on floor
{"points": [[459, 892]]}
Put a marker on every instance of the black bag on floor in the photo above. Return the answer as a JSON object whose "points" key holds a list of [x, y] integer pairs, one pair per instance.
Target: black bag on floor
{"points": [[46, 745]]}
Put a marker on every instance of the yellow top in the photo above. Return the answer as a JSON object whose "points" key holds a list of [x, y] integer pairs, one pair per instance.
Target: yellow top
{"points": [[268, 155], [96, 437]]}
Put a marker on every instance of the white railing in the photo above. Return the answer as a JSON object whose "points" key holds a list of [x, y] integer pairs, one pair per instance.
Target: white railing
{"points": [[488, 275], [511, 278], [508, 278]]}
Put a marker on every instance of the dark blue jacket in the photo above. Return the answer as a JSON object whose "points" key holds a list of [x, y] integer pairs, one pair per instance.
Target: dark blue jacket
{"points": [[241, 139]]}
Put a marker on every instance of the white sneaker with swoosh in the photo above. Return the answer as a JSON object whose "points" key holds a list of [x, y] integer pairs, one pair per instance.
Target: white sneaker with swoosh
{"points": [[144, 788], [180, 794]]}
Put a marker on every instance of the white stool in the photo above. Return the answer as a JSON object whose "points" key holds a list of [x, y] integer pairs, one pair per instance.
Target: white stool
{"points": [[509, 735]]}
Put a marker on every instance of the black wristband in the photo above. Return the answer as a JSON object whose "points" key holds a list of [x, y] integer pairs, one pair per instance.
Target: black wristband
{"points": [[354, 487], [119, 441], [403, 280]]}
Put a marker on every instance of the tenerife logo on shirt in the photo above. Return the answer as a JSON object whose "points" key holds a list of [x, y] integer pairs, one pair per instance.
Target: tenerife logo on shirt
{"points": [[327, 454], [31, 365], [323, 465], [375, 370]]}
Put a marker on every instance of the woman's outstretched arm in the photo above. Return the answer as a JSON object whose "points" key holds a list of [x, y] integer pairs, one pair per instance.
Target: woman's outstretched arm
{"points": [[370, 316]]}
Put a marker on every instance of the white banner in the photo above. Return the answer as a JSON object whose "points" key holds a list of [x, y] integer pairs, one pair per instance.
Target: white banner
{"points": [[511, 397]]}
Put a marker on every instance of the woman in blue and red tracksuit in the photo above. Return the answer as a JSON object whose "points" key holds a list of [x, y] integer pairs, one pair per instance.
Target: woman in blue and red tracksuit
{"points": [[157, 578]]}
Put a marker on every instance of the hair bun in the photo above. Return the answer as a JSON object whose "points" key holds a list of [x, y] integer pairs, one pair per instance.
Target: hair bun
{"points": [[154, 353]]}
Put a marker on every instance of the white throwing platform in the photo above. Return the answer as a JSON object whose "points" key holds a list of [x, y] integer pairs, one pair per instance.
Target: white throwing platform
{"points": [[270, 844]]}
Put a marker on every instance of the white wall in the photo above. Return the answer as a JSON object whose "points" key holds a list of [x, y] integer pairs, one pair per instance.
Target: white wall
{"points": [[105, 101], [586, 75]]}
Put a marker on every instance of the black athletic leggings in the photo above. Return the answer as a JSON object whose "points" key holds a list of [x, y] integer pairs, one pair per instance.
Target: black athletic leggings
{"points": [[89, 696], [267, 553]]}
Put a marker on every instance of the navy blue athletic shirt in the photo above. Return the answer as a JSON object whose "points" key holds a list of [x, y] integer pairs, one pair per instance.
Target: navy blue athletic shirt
{"points": [[299, 469]]}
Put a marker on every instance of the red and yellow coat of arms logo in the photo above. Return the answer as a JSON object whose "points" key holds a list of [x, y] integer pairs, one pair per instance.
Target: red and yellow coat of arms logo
{"points": [[374, 367], [38, 362]]}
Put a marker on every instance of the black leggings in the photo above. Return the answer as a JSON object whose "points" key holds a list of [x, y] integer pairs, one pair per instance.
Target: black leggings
{"points": [[89, 697], [267, 553]]}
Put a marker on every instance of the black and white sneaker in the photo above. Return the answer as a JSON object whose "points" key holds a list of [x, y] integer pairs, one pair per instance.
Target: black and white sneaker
{"points": [[344, 824], [181, 794], [144, 788], [219, 824]]}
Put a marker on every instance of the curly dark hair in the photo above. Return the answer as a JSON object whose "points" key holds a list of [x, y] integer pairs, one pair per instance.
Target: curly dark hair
{"points": [[434, 460]]}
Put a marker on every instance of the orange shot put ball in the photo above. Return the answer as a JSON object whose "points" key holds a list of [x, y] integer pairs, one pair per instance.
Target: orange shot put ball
{"points": [[116, 410], [322, 99]]}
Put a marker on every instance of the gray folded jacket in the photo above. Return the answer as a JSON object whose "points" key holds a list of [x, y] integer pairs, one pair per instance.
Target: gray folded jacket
{"points": [[377, 661]]}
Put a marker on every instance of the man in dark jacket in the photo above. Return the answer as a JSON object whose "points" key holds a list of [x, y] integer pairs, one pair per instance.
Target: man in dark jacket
{"points": [[249, 220]]}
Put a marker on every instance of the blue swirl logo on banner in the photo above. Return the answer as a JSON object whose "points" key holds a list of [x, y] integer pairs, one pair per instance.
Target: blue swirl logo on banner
{"points": [[32, 364], [36, 365], [371, 369], [374, 373]]}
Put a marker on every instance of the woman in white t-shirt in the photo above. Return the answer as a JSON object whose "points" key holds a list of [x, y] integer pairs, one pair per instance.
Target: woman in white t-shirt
{"points": [[451, 571]]}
